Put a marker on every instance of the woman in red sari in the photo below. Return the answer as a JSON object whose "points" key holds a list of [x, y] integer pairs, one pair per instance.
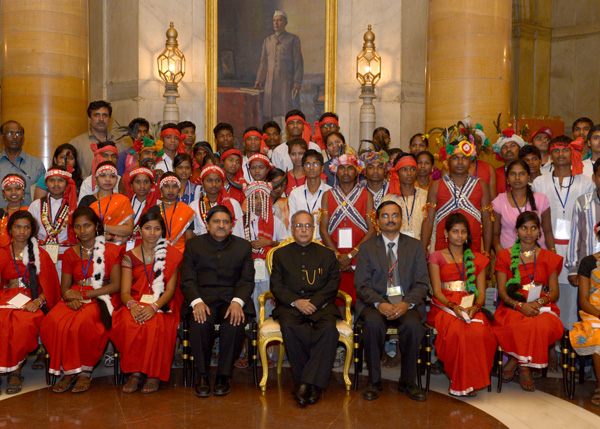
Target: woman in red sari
{"points": [[146, 328], [26, 270], [113, 209], [76, 331], [465, 340], [13, 191], [178, 216], [525, 329]]}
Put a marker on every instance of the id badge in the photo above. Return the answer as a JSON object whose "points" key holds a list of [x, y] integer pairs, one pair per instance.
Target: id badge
{"points": [[563, 229], [147, 299], [130, 245], [260, 270], [394, 294], [345, 238], [53, 250]]}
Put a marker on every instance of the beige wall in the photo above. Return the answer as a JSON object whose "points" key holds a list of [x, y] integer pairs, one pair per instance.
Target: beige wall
{"points": [[575, 62], [125, 72]]}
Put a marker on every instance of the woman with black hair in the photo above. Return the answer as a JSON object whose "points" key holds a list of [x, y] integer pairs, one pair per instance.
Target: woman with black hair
{"points": [[76, 331], [527, 325], [465, 341], [28, 284], [64, 155], [182, 165], [519, 198], [13, 191], [145, 329]]}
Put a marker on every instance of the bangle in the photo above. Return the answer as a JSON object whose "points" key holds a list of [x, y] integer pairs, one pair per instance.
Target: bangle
{"points": [[518, 306], [154, 307], [131, 301], [487, 254], [541, 301], [552, 249]]}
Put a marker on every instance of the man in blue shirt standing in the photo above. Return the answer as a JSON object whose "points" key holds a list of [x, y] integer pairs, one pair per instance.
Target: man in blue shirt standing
{"points": [[14, 160]]}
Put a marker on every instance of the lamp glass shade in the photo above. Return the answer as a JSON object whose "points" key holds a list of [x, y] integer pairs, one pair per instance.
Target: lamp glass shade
{"points": [[368, 67], [171, 65]]}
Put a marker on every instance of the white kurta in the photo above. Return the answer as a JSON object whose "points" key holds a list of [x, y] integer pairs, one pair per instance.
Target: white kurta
{"points": [[302, 199], [86, 188], [200, 226], [281, 158], [562, 213]]}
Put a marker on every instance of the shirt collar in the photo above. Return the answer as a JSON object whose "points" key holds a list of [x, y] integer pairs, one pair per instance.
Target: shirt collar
{"points": [[3, 154], [386, 240]]}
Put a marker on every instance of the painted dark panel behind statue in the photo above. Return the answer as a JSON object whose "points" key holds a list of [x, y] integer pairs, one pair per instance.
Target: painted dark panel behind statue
{"points": [[271, 59]]}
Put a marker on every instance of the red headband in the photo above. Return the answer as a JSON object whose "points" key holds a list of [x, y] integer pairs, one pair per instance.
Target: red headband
{"points": [[141, 170], [104, 168], [576, 147], [98, 158], [394, 178], [10, 180], [318, 137], [405, 161], [260, 158], [307, 132], [262, 137], [295, 118], [212, 169], [230, 152], [178, 134]]}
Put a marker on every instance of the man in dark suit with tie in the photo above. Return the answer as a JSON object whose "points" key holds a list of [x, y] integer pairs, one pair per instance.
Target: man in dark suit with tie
{"points": [[217, 281], [305, 280], [391, 282]]}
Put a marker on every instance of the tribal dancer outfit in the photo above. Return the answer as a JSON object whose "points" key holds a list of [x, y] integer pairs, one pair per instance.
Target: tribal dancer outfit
{"points": [[467, 349], [148, 348], [527, 338], [585, 336], [10, 179], [178, 218], [19, 329], [75, 340]]}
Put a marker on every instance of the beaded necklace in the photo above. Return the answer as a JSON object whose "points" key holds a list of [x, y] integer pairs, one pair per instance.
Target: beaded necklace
{"points": [[53, 229]]}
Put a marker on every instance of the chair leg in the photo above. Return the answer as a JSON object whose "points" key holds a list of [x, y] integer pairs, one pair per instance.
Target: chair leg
{"points": [[357, 351], [565, 363], [254, 353], [262, 349], [428, 349], [47, 359], [581, 360], [185, 343], [347, 362], [499, 368], [117, 366], [192, 379], [419, 365], [280, 357]]}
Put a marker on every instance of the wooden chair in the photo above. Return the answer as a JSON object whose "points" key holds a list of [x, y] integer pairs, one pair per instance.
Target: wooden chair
{"points": [[269, 330], [117, 374], [568, 358]]}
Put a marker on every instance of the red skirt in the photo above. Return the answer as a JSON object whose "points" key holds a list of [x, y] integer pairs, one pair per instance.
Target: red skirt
{"points": [[19, 331], [527, 338], [146, 348], [467, 349], [75, 340]]}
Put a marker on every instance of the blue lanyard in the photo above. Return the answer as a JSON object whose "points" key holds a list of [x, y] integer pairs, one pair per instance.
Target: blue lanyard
{"points": [[515, 201], [16, 266], [563, 205], [525, 266], [310, 210], [461, 273], [412, 209], [53, 220], [169, 223], [19, 167], [135, 216], [148, 276], [85, 270], [105, 211]]}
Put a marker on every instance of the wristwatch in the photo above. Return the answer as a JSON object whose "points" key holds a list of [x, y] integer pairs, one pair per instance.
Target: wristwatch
{"points": [[350, 255]]}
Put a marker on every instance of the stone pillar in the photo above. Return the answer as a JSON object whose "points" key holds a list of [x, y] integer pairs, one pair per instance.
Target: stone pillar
{"points": [[45, 70], [468, 62]]}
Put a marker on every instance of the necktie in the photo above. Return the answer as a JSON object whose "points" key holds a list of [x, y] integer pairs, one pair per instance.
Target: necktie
{"points": [[392, 259]]}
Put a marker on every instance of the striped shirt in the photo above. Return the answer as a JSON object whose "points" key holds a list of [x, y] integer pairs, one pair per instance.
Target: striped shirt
{"points": [[586, 214]]}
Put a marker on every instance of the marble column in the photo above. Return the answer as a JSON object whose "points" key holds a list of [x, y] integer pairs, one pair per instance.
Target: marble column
{"points": [[468, 61], [45, 70]]}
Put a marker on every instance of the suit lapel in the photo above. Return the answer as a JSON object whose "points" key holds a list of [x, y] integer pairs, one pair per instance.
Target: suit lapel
{"points": [[402, 261], [382, 255]]}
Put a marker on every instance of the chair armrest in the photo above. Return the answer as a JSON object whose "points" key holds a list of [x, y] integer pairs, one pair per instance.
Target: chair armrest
{"points": [[348, 303], [261, 306]]}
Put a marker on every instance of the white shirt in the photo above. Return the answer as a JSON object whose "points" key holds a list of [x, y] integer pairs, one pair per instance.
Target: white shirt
{"points": [[138, 208], [302, 199], [246, 170], [281, 158], [86, 188], [279, 231], [165, 163], [200, 226], [588, 168], [36, 211]]}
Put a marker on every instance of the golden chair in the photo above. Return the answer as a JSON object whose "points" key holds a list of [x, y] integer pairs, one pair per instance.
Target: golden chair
{"points": [[269, 329]]}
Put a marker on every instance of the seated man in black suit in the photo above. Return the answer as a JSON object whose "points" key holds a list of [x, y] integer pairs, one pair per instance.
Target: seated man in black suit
{"points": [[217, 280], [304, 280], [391, 282]]}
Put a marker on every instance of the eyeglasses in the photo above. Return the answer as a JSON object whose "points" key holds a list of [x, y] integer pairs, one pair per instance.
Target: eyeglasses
{"points": [[329, 125], [387, 216], [14, 133], [304, 226], [312, 164]]}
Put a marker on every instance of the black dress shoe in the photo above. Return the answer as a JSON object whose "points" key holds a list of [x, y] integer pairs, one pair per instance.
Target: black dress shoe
{"points": [[222, 386], [315, 395], [412, 391], [202, 387], [372, 391], [301, 395]]}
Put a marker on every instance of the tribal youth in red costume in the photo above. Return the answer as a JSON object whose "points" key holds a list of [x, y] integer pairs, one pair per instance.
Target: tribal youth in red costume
{"points": [[231, 161], [467, 349], [76, 331], [27, 270], [13, 191], [346, 217], [145, 329], [525, 329]]}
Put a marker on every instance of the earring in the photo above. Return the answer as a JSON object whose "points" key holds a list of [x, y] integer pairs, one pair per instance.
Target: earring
{"points": [[446, 238]]}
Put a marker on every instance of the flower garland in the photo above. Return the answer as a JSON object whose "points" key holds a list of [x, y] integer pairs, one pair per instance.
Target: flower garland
{"points": [[54, 230], [98, 272], [36, 254], [470, 272], [514, 284], [160, 258], [204, 206]]}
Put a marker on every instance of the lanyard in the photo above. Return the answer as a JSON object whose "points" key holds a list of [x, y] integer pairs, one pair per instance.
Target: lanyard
{"points": [[105, 211], [563, 205], [310, 210], [169, 223], [148, 276], [531, 277], [461, 273], [16, 266], [515, 201], [135, 217], [294, 177], [85, 270], [409, 215], [53, 220], [18, 167], [166, 166]]}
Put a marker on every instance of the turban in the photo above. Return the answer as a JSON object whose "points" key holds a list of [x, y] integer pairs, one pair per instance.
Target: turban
{"points": [[394, 178], [263, 159], [373, 157], [576, 147], [98, 158], [262, 137], [318, 137], [507, 136], [463, 147], [138, 145], [346, 160], [177, 133], [307, 131], [230, 152]]}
